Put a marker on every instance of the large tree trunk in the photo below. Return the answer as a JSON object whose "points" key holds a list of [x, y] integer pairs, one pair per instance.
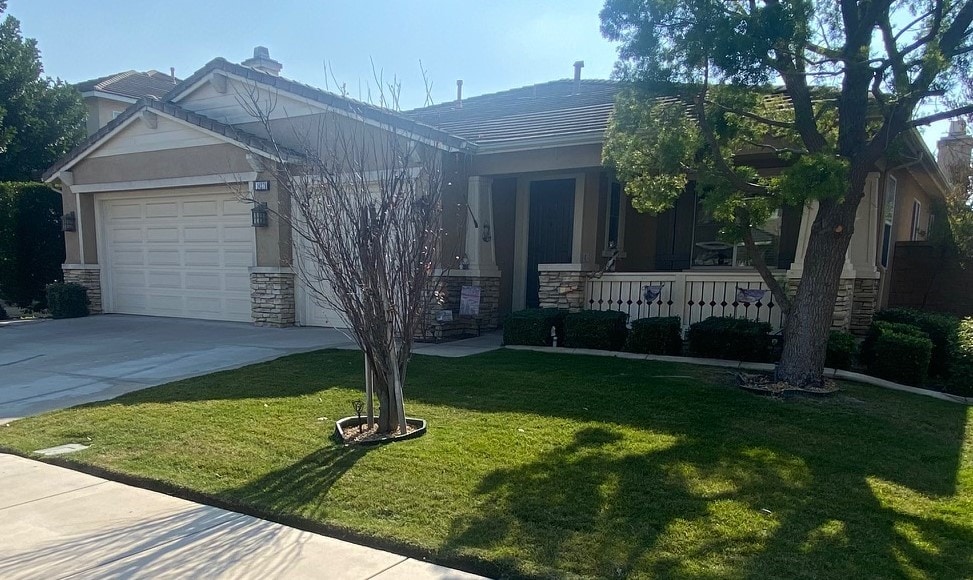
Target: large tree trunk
{"points": [[812, 310]]}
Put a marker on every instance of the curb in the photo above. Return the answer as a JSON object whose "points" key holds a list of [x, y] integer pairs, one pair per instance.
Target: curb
{"points": [[753, 366]]}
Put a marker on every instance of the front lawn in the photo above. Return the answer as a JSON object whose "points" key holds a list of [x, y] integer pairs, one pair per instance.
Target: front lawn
{"points": [[557, 465]]}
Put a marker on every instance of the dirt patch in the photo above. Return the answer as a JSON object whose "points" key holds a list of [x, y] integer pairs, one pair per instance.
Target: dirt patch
{"points": [[768, 385]]}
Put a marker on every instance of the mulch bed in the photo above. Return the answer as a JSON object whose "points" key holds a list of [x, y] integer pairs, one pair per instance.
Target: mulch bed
{"points": [[767, 385], [352, 435]]}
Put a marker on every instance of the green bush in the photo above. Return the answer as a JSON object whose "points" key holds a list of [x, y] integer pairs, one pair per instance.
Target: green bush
{"points": [[533, 327], [3, 313], [961, 375], [841, 348], [31, 241], [599, 329], [655, 336], [941, 328], [867, 354], [67, 300], [730, 338], [899, 357]]}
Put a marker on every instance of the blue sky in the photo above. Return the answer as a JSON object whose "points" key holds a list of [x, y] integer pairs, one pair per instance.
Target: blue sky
{"points": [[492, 46]]}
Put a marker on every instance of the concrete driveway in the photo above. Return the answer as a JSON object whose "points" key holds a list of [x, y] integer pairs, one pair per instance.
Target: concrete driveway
{"points": [[52, 364]]}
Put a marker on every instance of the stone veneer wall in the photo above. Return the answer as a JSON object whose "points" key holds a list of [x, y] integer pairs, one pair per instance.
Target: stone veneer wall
{"points": [[564, 290], [855, 305], [449, 299], [90, 279], [272, 299], [864, 301]]}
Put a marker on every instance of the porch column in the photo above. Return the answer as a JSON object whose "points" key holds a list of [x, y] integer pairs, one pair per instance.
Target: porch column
{"points": [[81, 248], [479, 226]]}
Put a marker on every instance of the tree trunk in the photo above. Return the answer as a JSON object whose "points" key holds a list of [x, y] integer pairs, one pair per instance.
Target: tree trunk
{"points": [[369, 390], [386, 414], [812, 310]]}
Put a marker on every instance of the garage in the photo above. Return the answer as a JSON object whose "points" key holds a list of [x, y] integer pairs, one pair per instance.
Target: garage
{"points": [[180, 253]]}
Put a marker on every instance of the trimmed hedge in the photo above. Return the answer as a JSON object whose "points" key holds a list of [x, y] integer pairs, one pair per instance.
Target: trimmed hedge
{"points": [[900, 357], [604, 330], [841, 349], [533, 327], [31, 241], [655, 336], [942, 330], [867, 353], [67, 300], [961, 375], [3, 313], [730, 338]]}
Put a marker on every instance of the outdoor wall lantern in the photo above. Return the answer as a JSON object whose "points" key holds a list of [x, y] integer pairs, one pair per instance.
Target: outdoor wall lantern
{"points": [[486, 233], [260, 215], [69, 222]]}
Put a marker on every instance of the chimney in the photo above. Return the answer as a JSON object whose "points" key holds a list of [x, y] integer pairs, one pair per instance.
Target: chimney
{"points": [[459, 92], [578, 65], [172, 74], [262, 62], [953, 152]]}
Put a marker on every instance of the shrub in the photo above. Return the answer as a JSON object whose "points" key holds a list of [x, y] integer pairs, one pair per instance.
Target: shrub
{"points": [[655, 336], [941, 328], [841, 348], [533, 327], [867, 353], [603, 330], [730, 338], [31, 241], [961, 375], [67, 300], [3, 313], [899, 357]]}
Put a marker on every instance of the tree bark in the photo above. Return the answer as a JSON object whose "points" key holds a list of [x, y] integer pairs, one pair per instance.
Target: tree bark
{"points": [[812, 310]]}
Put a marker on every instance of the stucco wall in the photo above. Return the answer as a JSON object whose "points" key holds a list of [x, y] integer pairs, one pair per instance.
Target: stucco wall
{"points": [[537, 160], [187, 162]]}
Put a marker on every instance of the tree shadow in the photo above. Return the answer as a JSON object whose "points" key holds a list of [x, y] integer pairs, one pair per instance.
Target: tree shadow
{"points": [[699, 507]]}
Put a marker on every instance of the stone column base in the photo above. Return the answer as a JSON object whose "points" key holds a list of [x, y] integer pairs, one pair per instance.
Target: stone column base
{"points": [[562, 289], [855, 305], [448, 298], [272, 299], [89, 276]]}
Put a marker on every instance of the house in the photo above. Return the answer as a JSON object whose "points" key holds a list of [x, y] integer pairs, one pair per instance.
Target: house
{"points": [[108, 96], [162, 231]]}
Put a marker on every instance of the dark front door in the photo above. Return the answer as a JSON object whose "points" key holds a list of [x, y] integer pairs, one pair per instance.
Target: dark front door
{"points": [[551, 229]]}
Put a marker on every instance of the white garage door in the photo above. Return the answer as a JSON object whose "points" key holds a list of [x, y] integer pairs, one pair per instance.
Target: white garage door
{"points": [[186, 256]]}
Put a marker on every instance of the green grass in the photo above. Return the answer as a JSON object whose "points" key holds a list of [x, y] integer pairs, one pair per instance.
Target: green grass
{"points": [[558, 465]]}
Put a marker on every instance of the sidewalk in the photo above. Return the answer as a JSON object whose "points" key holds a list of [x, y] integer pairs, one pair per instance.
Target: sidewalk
{"points": [[59, 523]]}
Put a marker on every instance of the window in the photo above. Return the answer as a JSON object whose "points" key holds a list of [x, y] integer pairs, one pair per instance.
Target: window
{"points": [[915, 233], [710, 250], [614, 220], [888, 215]]}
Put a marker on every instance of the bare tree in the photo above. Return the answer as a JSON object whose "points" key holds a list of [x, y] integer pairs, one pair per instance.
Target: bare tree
{"points": [[366, 199]]}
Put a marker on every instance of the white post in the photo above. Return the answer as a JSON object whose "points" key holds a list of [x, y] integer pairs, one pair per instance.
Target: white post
{"points": [[479, 225]]}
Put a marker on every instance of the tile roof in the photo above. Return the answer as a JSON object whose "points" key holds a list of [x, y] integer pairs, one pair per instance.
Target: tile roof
{"points": [[562, 108], [132, 84], [246, 139]]}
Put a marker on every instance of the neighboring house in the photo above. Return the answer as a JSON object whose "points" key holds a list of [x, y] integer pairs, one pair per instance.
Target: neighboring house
{"points": [[161, 230], [107, 97]]}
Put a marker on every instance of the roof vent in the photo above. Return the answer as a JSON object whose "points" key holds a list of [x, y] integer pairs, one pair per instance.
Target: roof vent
{"points": [[459, 92], [578, 65], [262, 62]]}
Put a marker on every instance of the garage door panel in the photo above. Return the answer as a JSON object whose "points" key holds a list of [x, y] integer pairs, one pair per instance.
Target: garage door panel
{"points": [[186, 256], [202, 233], [166, 209], [203, 281], [126, 211], [200, 208], [168, 234]]}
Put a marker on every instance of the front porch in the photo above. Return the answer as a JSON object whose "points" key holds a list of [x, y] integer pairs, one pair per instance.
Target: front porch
{"points": [[572, 240]]}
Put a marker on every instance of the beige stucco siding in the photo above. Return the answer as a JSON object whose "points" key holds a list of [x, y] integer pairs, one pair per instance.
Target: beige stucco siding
{"points": [[551, 159], [165, 164], [101, 111], [909, 191]]}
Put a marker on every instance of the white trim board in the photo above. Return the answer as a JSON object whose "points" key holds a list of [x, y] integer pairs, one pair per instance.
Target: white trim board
{"points": [[165, 183]]}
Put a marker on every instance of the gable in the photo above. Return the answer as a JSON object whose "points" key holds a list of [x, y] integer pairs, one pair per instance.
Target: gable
{"points": [[139, 137], [226, 99]]}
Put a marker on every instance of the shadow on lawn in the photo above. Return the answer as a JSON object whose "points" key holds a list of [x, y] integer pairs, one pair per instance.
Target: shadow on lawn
{"points": [[698, 508], [850, 485]]}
